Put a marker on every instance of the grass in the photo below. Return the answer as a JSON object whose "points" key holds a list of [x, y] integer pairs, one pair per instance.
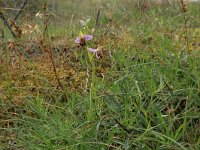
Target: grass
{"points": [[142, 93]]}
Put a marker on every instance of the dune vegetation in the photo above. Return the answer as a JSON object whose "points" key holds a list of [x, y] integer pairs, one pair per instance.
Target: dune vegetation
{"points": [[100, 74]]}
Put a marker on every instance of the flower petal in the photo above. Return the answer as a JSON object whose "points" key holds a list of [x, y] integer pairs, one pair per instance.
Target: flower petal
{"points": [[96, 54], [88, 37], [78, 40], [88, 20], [93, 50], [82, 23]]}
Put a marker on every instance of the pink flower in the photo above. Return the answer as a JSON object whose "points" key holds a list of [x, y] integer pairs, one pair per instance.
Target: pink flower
{"points": [[93, 50], [82, 40]]}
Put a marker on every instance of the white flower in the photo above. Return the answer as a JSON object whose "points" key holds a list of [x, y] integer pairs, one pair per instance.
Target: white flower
{"points": [[84, 23], [39, 15]]}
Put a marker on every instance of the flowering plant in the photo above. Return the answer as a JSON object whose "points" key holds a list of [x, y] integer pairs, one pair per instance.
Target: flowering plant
{"points": [[82, 39]]}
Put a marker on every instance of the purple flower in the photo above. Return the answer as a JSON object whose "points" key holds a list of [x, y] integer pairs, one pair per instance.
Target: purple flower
{"points": [[82, 40], [88, 37], [93, 50]]}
